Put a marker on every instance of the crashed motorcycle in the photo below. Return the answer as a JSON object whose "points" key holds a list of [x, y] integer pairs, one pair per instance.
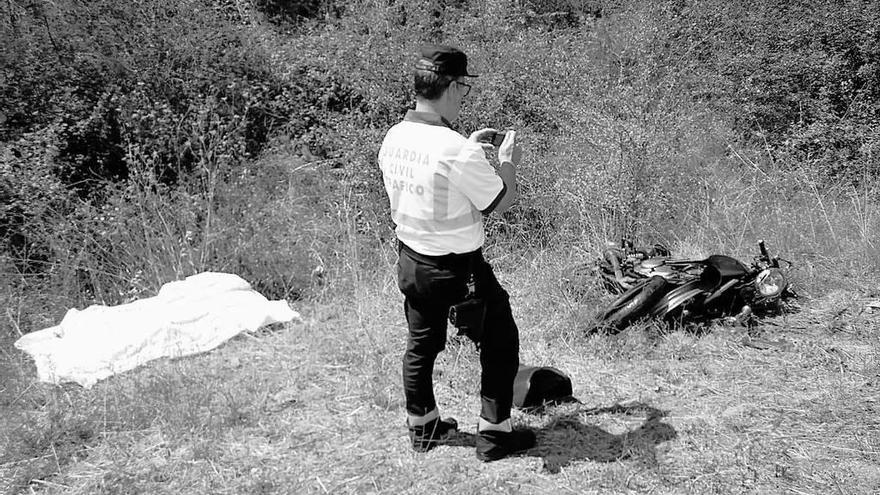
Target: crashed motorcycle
{"points": [[652, 284]]}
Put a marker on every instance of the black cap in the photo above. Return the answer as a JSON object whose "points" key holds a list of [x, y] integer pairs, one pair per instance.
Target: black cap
{"points": [[443, 59]]}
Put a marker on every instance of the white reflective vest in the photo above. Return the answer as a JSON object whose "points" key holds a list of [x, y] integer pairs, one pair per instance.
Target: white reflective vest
{"points": [[438, 183]]}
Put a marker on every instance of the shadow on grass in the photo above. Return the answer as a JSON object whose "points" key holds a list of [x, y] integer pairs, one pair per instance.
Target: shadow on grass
{"points": [[567, 438]]}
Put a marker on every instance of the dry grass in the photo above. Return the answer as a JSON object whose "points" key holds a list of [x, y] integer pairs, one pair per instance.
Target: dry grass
{"points": [[317, 408]]}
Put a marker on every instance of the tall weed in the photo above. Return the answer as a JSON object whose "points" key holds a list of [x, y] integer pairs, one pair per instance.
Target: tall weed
{"points": [[218, 143]]}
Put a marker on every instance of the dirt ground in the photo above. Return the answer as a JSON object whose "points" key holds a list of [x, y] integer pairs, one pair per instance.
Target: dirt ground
{"points": [[790, 406]]}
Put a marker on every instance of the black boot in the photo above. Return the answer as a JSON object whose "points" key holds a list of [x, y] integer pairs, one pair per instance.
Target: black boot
{"points": [[493, 445], [427, 436]]}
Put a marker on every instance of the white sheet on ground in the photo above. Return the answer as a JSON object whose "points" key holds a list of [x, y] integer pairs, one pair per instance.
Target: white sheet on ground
{"points": [[187, 317]]}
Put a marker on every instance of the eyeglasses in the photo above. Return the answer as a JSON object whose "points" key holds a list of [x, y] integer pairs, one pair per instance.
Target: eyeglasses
{"points": [[466, 85]]}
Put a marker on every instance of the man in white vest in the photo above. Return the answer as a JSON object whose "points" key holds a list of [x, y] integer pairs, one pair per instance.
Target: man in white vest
{"points": [[440, 185]]}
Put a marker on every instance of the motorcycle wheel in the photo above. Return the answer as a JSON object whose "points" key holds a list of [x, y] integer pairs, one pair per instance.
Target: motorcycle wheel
{"points": [[634, 304]]}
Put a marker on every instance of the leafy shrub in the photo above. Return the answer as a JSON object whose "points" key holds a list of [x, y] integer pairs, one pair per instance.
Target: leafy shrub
{"points": [[119, 167], [143, 142]]}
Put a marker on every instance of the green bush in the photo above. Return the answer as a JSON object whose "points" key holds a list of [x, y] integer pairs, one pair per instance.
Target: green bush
{"points": [[144, 142], [129, 130]]}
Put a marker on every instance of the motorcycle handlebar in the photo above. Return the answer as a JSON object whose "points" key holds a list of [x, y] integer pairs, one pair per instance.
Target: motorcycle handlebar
{"points": [[611, 257], [766, 255]]}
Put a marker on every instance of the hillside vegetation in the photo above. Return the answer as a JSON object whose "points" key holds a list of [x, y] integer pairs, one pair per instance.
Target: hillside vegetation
{"points": [[146, 141], [142, 143]]}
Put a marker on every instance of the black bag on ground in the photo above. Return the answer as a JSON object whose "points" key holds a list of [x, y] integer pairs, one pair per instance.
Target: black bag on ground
{"points": [[536, 385]]}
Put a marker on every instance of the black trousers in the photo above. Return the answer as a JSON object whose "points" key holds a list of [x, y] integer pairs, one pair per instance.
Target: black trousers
{"points": [[433, 283]]}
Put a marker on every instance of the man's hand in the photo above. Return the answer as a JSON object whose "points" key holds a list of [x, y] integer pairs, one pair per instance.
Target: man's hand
{"points": [[483, 135], [484, 138], [509, 155], [509, 151]]}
